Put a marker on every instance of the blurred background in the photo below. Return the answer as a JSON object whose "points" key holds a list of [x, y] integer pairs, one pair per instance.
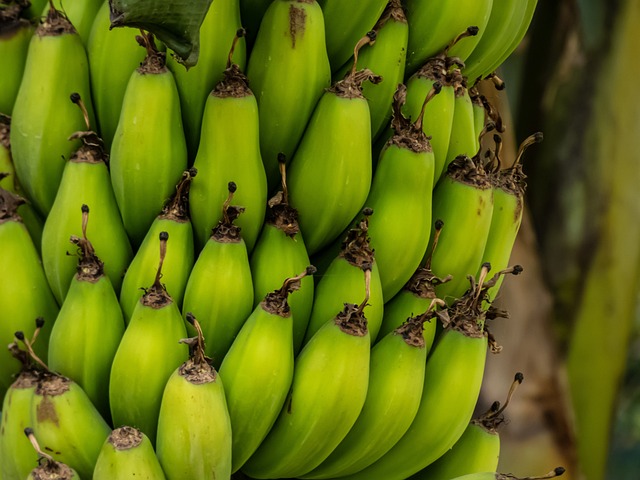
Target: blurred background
{"points": [[574, 329]]}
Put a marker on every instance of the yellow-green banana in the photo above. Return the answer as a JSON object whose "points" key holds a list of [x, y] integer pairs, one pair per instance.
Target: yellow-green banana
{"points": [[288, 71], [260, 360], [340, 282], [43, 117], [89, 327], [27, 295], [146, 357], [433, 23], [149, 152], [15, 34], [556, 472], [194, 429], [80, 13], [47, 467], [194, 85], [85, 181], [174, 219], [329, 387], [219, 291], [127, 453], [229, 151], [113, 55], [331, 170], [395, 387], [280, 253]]}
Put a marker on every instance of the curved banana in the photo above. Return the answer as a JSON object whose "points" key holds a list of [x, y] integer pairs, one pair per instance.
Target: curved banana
{"points": [[330, 382], [43, 117], [340, 282], [280, 253], [433, 23], [85, 181], [220, 24], [113, 56], [127, 453], [229, 151], [14, 44], [260, 360], [331, 170], [395, 387], [194, 429], [345, 23], [47, 467], [89, 327], [149, 151], [219, 291], [174, 219], [288, 71], [146, 357]]}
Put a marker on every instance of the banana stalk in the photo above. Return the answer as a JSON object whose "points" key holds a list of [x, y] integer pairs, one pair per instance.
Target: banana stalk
{"points": [[47, 467], [556, 472]]}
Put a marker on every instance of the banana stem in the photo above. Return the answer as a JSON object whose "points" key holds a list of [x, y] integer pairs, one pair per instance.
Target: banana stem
{"points": [[282, 166], [310, 270], [36, 332], [367, 288], [197, 352], [20, 336], [225, 206], [241, 32], [436, 88], [369, 38], [36, 446], [438, 226], [530, 140], [75, 98], [556, 472], [469, 32], [164, 237], [495, 409]]}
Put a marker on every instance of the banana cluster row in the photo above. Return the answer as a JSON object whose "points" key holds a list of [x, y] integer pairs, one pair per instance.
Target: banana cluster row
{"points": [[168, 258]]}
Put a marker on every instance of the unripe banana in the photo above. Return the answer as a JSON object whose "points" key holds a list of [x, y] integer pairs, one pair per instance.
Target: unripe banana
{"points": [[556, 472], [331, 170], [80, 13], [127, 453], [288, 70], [479, 113], [48, 468], [341, 281], [453, 377], [395, 388], [113, 55], [464, 139], [194, 85], [174, 219], [280, 253], [146, 357], [194, 429], [329, 387], [345, 23], [67, 424], [27, 296], [89, 327], [220, 291], [260, 360], [149, 152], [14, 43], [229, 151], [43, 117], [85, 181]]}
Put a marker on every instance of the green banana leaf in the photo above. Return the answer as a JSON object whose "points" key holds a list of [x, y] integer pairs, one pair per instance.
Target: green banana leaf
{"points": [[176, 23]]}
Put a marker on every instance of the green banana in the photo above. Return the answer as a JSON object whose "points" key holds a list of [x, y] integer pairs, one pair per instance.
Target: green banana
{"points": [[432, 23], [194, 429], [395, 388], [194, 85], [220, 291], [27, 296], [260, 360], [477, 450], [280, 253], [127, 453], [341, 281], [288, 71], [85, 181], [328, 391], [47, 467], [251, 13], [89, 327], [80, 14], [229, 150], [452, 381], [67, 424], [345, 23], [113, 55], [42, 113], [401, 189], [331, 170], [174, 219], [149, 151], [146, 357], [479, 113], [15, 35], [556, 472]]}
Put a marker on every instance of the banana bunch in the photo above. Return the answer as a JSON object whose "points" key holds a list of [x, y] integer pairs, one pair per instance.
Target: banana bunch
{"points": [[158, 227]]}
